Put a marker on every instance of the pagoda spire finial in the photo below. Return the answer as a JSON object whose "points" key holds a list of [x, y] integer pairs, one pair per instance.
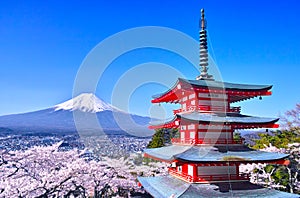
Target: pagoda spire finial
{"points": [[203, 50], [202, 20]]}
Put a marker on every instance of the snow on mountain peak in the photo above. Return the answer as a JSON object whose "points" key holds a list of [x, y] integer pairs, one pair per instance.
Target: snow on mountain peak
{"points": [[86, 102]]}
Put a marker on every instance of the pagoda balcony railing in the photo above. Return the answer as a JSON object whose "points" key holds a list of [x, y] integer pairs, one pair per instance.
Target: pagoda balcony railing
{"points": [[235, 109], [225, 177], [206, 141], [177, 111], [209, 178], [208, 108], [181, 175]]}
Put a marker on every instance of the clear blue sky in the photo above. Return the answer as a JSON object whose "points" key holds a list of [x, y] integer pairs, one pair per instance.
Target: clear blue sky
{"points": [[43, 43]]}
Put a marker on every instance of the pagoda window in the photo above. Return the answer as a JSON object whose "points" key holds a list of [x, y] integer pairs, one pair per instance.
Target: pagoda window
{"points": [[212, 95], [192, 135], [183, 127], [203, 95], [184, 106], [214, 135], [192, 96], [179, 168], [190, 170], [204, 102], [202, 126], [184, 99], [218, 103], [213, 127], [217, 170], [191, 126], [224, 135], [193, 102], [182, 134], [212, 103], [173, 165]]}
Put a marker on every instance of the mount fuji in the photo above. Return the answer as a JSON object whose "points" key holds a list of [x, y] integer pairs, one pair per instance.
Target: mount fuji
{"points": [[84, 112], [86, 102]]}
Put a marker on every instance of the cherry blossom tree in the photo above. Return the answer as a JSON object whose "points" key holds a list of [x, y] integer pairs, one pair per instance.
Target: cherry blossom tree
{"points": [[277, 176], [48, 172], [291, 119], [286, 140]]}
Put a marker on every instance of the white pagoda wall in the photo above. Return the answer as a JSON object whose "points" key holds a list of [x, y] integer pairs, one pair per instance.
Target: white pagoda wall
{"points": [[216, 102]]}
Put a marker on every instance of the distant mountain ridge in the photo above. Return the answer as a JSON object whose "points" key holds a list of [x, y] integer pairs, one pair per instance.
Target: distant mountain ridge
{"points": [[60, 117]]}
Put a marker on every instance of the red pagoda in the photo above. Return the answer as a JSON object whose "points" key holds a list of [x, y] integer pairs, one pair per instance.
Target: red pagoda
{"points": [[205, 158]]}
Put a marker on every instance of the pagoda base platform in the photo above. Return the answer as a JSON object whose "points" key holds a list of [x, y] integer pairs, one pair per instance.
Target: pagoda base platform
{"points": [[168, 186]]}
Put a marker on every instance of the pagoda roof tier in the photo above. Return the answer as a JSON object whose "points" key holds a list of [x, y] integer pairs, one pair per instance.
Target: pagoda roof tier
{"points": [[238, 121], [238, 92], [168, 186], [216, 154]]}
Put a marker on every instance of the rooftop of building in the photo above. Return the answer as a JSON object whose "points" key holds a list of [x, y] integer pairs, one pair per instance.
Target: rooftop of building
{"points": [[216, 118], [214, 154], [239, 91], [168, 186], [218, 85]]}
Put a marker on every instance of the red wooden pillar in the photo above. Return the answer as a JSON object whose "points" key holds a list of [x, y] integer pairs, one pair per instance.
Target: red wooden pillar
{"points": [[195, 172], [196, 133]]}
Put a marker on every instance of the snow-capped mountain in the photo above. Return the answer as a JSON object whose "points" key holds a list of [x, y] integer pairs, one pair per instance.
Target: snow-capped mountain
{"points": [[86, 102], [85, 111]]}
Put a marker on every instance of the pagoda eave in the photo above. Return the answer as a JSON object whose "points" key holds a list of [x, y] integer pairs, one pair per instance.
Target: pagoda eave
{"points": [[281, 161], [213, 154], [168, 186], [236, 121], [168, 97], [158, 158], [173, 125], [236, 92]]}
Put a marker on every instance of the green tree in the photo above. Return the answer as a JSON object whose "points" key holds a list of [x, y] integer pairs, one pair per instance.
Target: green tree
{"points": [[157, 139], [161, 137], [237, 136], [279, 139]]}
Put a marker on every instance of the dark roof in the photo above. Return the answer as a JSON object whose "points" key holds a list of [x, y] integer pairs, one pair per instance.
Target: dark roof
{"points": [[225, 85], [167, 186], [193, 153], [233, 118], [228, 117], [218, 85]]}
